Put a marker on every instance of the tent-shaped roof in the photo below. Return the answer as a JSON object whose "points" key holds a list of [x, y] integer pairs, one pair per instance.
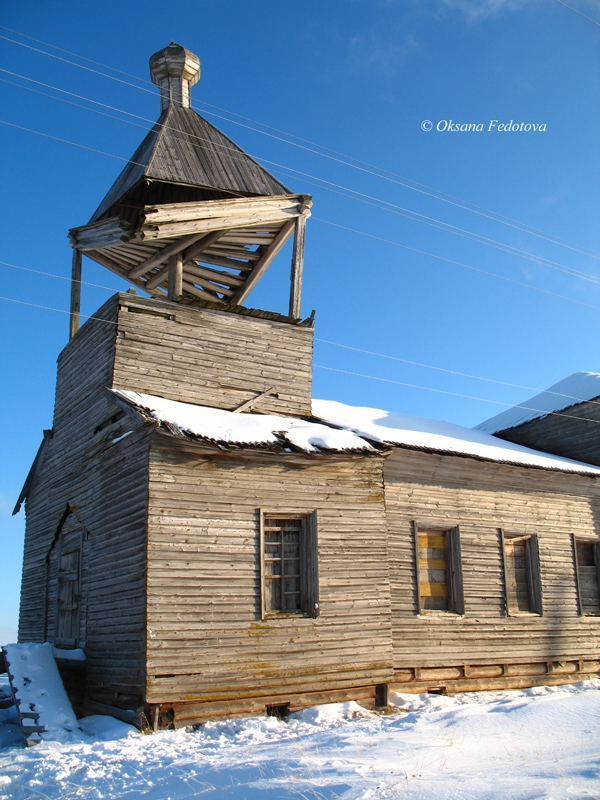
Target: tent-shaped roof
{"points": [[183, 148]]}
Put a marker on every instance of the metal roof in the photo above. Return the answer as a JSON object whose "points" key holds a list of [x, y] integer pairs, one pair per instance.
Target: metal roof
{"points": [[183, 148]]}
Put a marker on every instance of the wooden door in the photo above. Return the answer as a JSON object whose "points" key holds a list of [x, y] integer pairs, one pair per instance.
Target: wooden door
{"points": [[68, 595]]}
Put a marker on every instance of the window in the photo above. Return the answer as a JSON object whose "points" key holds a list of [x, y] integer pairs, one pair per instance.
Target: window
{"points": [[439, 572], [522, 580], [289, 574], [586, 553]]}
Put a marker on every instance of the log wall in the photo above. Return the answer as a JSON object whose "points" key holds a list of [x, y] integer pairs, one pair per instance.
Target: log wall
{"points": [[440, 491], [207, 645], [571, 435], [213, 358], [103, 480]]}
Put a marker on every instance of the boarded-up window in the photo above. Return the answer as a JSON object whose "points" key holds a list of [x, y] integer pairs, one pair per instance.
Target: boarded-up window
{"points": [[587, 574], [439, 571], [289, 574], [522, 578]]}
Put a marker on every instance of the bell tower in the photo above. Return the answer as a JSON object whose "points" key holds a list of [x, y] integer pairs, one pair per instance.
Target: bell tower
{"points": [[192, 218]]}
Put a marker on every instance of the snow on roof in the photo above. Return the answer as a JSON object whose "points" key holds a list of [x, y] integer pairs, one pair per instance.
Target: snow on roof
{"points": [[254, 430], [445, 437], [577, 388]]}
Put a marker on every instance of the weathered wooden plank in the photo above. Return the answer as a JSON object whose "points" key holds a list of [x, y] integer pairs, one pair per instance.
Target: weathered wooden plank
{"points": [[75, 293], [297, 267], [263, 263]]}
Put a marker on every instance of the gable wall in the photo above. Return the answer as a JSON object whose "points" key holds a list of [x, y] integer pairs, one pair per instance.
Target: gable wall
{"points": [[105, 484], [571, 435], [443, 491], [212, 358], [207, 642]]}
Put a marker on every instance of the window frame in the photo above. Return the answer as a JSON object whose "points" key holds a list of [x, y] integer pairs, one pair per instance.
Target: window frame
{"points": [[309, 573], [454, 577], [533, 569], [595, 542]]}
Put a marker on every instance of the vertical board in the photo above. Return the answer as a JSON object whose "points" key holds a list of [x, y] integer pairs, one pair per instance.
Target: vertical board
{"points": [[456, 582], [576, 566], [533, 552], [312, 565]]}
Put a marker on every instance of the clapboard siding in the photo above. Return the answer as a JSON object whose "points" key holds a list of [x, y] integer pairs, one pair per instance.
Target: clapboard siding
{"points": [[104, 482], [440, 491], [212, 358], [571, 434], [206, 639]]}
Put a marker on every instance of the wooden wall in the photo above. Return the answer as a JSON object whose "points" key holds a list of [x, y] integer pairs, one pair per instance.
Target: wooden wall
{"points": [[574, 437], [444, 491], [206, 640], [104, 482], [213, 358]]}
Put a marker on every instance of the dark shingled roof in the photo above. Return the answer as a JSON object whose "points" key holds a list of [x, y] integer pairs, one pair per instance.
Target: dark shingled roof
{"points": [[183, 148]]}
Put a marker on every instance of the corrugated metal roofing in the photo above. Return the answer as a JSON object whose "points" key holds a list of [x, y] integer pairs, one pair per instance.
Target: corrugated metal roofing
{"points": [[184, 148], [228, 429]]}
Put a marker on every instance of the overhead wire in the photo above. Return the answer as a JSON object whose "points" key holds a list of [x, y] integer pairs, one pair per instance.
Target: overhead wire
{"points": [[465, 205], [338, 344], [455, 263], [376, 200], [338, 189], [457, 394], [343, 227], [574, 10], [454, 372], [345, 372]]}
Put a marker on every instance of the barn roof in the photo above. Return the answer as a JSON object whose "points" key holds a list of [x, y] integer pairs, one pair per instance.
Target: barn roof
{"points": [[440, 437], [580, 387], [228, 429], [183, 148]]}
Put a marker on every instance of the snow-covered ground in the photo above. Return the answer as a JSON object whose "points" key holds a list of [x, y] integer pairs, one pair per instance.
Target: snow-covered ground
{"points": [[537, 744]]}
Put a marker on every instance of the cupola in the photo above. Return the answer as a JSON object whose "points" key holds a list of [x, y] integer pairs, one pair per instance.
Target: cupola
{"points": [[174, 70]]}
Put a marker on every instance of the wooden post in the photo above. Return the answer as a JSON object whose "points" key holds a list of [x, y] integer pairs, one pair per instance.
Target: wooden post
{"points": [[175, 286], [75, 293], [297, 265]]}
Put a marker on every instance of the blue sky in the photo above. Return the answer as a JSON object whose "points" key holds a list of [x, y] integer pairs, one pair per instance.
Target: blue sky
{"points": [[358, 77]]}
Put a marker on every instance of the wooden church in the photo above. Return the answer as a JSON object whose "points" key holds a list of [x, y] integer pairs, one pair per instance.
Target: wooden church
{"points": [[216, 543]]}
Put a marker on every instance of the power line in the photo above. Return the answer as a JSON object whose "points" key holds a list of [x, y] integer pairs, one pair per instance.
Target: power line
{"points": [[454, 372], [462, 204], [360, 197], [52, 275], [335, 225], [455, 263], [58, 310], [74, 64], [344, 346], [456, 394], [75, 55], [342, 371], [574, 10], [397, 179], [439, 224]]}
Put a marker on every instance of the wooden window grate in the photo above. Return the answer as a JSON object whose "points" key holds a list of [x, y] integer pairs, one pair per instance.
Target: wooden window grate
{"points": [[586, 554], [288, 565], [522, 579]]}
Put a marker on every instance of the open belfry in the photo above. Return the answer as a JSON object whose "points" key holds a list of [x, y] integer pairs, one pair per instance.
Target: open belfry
{"points": [[192, 217], [212, 542]]}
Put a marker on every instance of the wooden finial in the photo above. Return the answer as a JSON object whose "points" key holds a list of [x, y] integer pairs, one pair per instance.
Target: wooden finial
{"points": [[174, 70]]}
